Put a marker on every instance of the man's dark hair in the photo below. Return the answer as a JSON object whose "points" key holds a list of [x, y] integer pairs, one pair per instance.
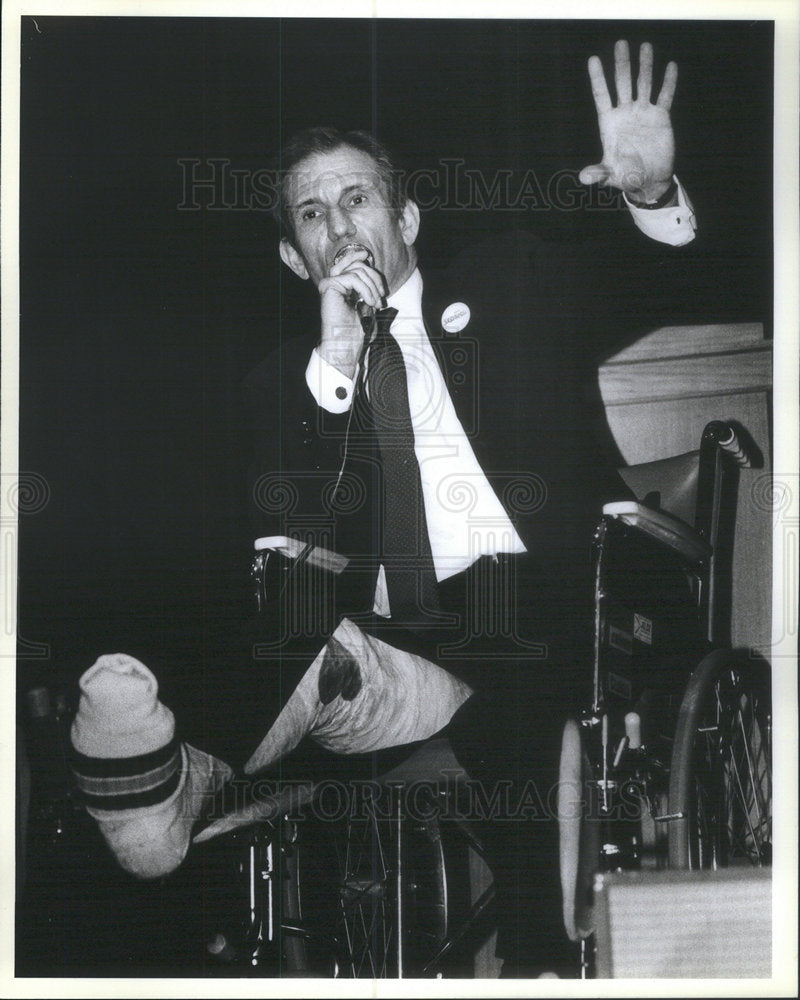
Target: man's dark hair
{"points": [[325, 139]]}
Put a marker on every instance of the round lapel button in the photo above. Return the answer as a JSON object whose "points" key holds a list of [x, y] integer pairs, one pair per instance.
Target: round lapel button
{"points": [[455, 317]]}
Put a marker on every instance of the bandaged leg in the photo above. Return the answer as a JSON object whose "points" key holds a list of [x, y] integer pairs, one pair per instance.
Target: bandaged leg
{"points": [[397, 698], [142, 785], [386, 698]]}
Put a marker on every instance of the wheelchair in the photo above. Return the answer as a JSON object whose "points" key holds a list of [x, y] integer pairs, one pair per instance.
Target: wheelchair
{"points": [[365, 879], [669, 766]]}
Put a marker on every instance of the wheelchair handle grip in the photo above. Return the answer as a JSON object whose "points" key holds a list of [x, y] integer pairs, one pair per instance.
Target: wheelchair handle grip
{"points": [[726, 438]]}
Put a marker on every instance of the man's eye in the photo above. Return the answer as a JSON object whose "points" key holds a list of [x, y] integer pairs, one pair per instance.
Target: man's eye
{"points": [[309, 215], [358, 199]]}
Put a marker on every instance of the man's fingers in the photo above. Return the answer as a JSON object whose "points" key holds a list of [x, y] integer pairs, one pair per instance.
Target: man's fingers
{"points": [[348, 262], [668, 86], [362, 283], [622, 72], [355, 269], [597, 173], [371, 279], [602, 98], [644, 83]]}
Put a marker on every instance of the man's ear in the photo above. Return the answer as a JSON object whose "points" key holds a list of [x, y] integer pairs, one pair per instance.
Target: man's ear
{"points": [[409, 222], [291, 258]]}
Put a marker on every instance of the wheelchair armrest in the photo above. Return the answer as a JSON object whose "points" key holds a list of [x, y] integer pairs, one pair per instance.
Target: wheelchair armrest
{"points": [[662, 527], [293, 548]]}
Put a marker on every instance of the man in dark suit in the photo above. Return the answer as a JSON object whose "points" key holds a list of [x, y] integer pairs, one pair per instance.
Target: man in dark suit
{"points": [[490, 575]]}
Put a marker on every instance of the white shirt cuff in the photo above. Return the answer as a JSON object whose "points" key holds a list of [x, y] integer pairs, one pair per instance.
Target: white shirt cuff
{"points": [[674, 225], [332, 390]]}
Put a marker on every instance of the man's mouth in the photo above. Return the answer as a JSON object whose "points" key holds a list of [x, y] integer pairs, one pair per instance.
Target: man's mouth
{"points": [[350, 248]]}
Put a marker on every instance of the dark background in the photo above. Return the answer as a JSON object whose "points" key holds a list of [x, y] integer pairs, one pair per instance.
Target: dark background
{"points": [[140, 319]]}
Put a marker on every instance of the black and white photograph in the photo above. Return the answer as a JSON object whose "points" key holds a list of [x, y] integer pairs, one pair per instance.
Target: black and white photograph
{"points": [[399, 529]]}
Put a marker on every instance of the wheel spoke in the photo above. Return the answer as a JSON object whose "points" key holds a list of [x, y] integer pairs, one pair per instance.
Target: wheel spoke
{"points": [[720, 774], [743, 797]]}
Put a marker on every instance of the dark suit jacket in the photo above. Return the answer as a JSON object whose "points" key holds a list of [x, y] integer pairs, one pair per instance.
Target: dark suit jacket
{"points": [[520, 377]]}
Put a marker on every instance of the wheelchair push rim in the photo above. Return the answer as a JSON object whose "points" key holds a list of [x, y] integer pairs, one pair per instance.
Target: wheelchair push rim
{"points": [[720, 777]]}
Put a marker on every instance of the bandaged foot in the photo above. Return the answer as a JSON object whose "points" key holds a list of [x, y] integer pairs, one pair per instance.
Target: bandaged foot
{"points": [[142, 785]]}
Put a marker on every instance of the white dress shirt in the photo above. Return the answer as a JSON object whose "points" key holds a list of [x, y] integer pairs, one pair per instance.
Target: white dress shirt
{"points": [[465, 518]]}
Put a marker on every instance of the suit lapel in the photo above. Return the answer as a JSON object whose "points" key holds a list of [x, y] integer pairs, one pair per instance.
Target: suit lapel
{"points": [[437, 295], [470, 360]]}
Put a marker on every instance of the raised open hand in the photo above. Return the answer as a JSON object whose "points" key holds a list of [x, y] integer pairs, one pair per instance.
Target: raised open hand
{"points": [[638, 144]]}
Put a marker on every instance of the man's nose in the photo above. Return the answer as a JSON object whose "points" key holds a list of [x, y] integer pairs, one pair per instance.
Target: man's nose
{"points": [[340, 225]]}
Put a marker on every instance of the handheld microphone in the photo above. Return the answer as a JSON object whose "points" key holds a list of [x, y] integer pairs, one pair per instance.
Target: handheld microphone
{"points": [[366, 313]]}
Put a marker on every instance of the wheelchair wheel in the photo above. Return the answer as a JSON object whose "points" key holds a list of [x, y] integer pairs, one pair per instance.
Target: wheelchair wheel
{"points": [[393, 899], [251, 901], [579, 833], [720, 794], [352, 885]]}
